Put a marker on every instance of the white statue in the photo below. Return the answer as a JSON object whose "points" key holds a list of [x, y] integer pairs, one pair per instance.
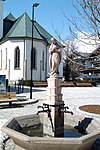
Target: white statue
{"points": [[55, 57]]}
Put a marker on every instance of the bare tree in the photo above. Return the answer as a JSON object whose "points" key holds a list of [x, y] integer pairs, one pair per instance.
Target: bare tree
{"points": [[87, 20], [69, 56], [70, 65]]}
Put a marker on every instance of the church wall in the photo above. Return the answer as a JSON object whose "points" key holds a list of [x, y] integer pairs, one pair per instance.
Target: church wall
{"points": [[48, 68], [25, 52], [39, 72], [11, 73]]}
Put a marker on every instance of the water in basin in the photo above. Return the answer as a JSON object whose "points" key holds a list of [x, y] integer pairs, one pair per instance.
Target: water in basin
{"points": [[37, 130]]}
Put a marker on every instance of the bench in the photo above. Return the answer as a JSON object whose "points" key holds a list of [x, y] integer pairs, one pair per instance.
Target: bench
{"points": [[45, 84], [67, 84], [8, 97], [87, 84], [40, 84]]}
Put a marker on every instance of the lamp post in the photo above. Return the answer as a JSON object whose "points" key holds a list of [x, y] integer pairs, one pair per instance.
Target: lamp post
{"points": [[31, 83]]}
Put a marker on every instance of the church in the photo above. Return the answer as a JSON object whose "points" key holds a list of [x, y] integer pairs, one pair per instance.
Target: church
{"points": [[16, 45]]}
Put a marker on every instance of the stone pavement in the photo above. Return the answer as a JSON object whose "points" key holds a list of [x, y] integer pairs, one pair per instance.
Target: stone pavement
{"points": [[73, 97], [22, 108]]}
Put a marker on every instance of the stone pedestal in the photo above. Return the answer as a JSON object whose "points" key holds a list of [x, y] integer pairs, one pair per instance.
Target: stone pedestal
{"points": [[53, 124]]}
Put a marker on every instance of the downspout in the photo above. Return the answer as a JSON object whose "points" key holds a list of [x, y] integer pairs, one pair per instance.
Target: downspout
{"points": [[46, 63], [24, 63]]}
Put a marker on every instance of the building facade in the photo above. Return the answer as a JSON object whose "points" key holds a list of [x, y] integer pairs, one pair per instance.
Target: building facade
{"points": [[86, 65], [91, 69]]}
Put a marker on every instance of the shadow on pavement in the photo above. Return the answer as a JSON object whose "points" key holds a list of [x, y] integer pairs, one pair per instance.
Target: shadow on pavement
{"points": [[6, 106], [17, 105], [19, 90]]}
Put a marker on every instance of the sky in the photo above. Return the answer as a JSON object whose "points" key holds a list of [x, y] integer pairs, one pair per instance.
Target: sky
{"points": [[48, 14]]}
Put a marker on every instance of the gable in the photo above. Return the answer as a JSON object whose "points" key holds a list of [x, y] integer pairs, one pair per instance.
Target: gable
{"points": [[22, 27], [8, 22]]}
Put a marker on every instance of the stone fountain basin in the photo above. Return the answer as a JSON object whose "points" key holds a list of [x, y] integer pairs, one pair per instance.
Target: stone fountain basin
{"points": [[13, 127]]}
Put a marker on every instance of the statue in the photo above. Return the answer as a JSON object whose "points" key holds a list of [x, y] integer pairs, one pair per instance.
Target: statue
{"points": [[55, 57]]}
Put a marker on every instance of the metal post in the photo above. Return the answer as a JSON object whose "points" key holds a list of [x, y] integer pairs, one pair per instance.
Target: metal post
{"points": [[31, 81]]}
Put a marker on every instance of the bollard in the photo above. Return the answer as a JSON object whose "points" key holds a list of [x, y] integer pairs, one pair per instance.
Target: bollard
{"points": [[15, 84], [18, 88], [9, 88]]}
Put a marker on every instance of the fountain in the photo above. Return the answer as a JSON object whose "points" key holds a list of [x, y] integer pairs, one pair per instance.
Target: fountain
{"points": [[49, 128]]}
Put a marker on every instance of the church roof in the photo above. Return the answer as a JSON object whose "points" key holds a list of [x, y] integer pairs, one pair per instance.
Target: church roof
{"points": [[8, 22], [10, 17], [22, 27]]}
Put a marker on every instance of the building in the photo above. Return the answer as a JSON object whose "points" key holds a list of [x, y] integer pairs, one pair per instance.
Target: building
{"points": [[91, 69], [16, 44], [85, 66]]}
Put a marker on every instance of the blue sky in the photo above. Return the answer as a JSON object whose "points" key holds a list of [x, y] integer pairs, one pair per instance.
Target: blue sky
{"points": [[48, 13]]}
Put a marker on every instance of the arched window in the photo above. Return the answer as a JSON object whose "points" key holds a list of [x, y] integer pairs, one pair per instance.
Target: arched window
{"points": [[34, 58], [43, 61], [17, 58], [6, 60]]}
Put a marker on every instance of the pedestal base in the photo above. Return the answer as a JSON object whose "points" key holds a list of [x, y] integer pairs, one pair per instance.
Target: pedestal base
{"points": [[53, 124]]}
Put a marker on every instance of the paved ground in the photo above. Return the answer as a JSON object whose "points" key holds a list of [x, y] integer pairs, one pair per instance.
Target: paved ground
{"points": [[72, 96]]}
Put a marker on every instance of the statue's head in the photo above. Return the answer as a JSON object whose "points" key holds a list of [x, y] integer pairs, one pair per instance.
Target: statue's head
{"points": [[53, 40]]}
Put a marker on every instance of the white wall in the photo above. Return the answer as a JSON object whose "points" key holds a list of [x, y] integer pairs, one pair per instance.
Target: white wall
{"points": [[10, 72], [25, 60], [38, 73], [1, 18]]}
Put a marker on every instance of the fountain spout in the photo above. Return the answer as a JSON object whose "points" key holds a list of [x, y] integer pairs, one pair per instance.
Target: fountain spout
{"points": [[64, 109], [44, 109], [69, 112]]}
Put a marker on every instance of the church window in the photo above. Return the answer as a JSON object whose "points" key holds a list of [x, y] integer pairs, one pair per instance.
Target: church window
{"points": [[34, 58], [0, 59], [17, 58], [43, 61], [6, 60]]}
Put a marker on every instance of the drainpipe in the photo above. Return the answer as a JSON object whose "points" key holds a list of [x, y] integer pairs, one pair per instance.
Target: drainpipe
{"points": [[46, 63], [24, 62], [40, 70], [9, 63]]}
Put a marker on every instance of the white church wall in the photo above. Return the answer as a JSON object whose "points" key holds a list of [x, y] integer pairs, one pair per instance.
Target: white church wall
{"points": [[27, 55], [18, 74], [38, 73], [10, 72], [25, 52], [5, 71], [48, 68], [40, 49]]}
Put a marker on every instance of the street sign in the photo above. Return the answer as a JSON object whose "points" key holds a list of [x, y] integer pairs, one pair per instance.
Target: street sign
{"points": [[2, 83]]}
